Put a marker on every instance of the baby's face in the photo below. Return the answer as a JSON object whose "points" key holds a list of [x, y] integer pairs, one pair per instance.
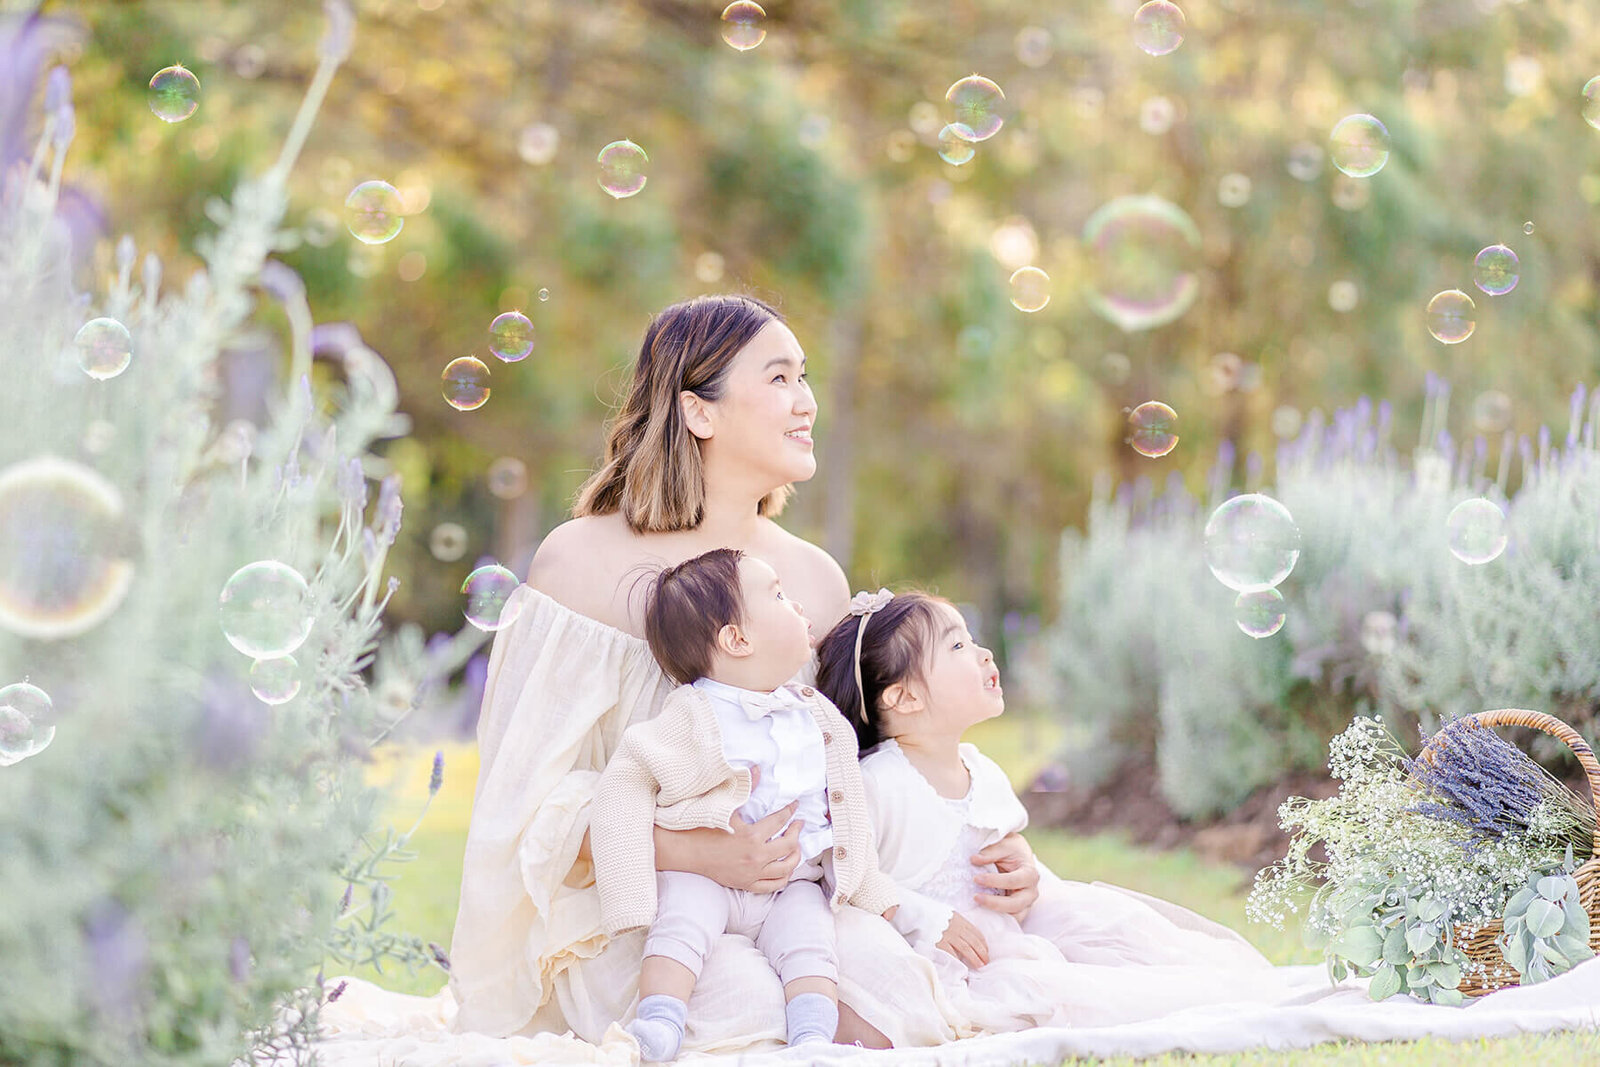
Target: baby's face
{"points": [[775, 626]]}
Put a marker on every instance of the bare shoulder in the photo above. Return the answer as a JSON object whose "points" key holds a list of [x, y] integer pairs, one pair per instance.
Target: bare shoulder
{"points": [[577, 562], [814, 576]]}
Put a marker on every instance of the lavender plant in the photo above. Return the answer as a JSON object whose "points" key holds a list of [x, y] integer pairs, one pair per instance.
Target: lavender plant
{"points": [[174, 832]]}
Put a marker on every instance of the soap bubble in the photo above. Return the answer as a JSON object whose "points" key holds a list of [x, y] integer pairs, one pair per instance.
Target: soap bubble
{"points": [[1030, 289], [1450, 317], [544, 294], [174, 94], [537, 143], [275, 681], [1359, 145], [466, 383], [105, 348], [1145, 256], [742, 25], [954, 148], [1476, 531], [507, 477], [1591, 102], [1251, 543], [622, 166], [448, 542], [1152, 429], [63, 565], [1527, 227], [488, 589], [1491, 412], [1158, 27], [1495, 270], [374, 212], [27, 722], [1259, 613], [1233, 190], [1034, 46], [977, 105], [511, 336], [265, 609]]}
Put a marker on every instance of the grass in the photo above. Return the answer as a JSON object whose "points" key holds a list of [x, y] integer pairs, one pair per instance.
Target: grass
{"points": [[427, 891]]}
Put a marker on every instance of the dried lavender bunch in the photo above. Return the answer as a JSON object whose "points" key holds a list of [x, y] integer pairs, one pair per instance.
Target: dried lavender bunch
{"points": [[1477, 781]]}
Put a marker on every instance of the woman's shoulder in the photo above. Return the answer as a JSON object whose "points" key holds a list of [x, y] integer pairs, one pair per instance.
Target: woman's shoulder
{"points": [[813, 575], [579, 563]]}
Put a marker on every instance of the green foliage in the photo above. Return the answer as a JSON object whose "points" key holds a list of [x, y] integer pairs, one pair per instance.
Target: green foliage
{"points": [[1546, 928]]}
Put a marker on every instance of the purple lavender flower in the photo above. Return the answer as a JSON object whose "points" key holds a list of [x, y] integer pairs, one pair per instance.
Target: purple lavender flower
{"points": [[436, 779], [439, 955], [389, 508]]}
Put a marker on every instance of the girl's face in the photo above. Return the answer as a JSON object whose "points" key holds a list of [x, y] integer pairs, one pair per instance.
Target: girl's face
{"points": [[963, 684], [767, 410]]}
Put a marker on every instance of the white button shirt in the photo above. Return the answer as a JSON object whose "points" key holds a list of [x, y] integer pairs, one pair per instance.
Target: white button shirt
{"points": [[777, 733]]}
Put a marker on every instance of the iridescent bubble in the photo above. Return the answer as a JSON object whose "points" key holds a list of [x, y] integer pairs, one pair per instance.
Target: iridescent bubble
{"points": [[622, 165], [448, 542], [977, 102], [511, 336], [1591, 102], [954, 148], [27, 722], [1233, 190], [1030, 289], [1491, 412], [537, 143], [1158, 27], [1450, 317], [1251, 543], [105, 348], [63, 558], [1379, 633], [1495, 270], [742, 25], [1527, 227], [488, 589], [174, 94], [1259, 613], [1359, 145], [1476, 531], [1034, 46], [1343, 295], [266, 609], [466, 383], [1305, 161], [374, 212], [544, 294], [1152, 429], [507, 477], [1145, 254], [275, 681]]}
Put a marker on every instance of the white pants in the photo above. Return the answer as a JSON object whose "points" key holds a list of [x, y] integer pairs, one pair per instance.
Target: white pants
{"points": [[793, 927]]}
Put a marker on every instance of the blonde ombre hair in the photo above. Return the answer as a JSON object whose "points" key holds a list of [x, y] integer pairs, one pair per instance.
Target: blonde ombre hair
{"points": [[652, 471]]}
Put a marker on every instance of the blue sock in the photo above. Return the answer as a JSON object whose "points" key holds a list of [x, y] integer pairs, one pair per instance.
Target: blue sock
{"points": [[658, 1027], [813, 1019]]}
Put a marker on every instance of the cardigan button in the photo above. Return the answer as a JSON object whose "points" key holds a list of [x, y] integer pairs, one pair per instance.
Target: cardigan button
{"points": [[807, 691], [839, 851], [837, 796], [827, 738]]}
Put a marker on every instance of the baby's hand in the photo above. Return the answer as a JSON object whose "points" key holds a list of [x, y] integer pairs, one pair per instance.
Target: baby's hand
{"points": [[965, 941]]}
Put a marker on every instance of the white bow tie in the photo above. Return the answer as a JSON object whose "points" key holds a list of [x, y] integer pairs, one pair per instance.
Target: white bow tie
{"points": [[756, 705]]}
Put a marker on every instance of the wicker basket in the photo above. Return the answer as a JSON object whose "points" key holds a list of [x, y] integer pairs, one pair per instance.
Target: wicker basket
{"points": [[1481, 947]]}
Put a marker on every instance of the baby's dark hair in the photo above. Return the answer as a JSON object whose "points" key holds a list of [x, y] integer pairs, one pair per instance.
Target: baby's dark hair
{"points": [[897, 646], [689, 605]]}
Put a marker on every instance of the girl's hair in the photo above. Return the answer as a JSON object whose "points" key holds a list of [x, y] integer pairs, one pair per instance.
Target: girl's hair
{"points": [[652, 471], [689, 605], [897, 646]]}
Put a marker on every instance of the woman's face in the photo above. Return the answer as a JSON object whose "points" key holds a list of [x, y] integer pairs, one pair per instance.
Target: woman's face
{"points": [[763, 420]]}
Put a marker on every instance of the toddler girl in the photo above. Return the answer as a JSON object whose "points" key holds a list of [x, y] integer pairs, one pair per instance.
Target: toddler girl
{"points": [[912, 680], [733, 738]]}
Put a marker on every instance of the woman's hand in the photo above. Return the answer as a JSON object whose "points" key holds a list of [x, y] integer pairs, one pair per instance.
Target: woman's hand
{"points": [[749, 858], [1017, 876], [965, 941]]}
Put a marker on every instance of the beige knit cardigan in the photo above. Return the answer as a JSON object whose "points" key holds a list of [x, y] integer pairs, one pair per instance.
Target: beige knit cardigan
{"points": [[670, 772]]}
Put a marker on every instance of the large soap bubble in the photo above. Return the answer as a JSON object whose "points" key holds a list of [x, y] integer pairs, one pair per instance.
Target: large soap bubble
{"points": [[511, 336], [1251, 543], [1145, 254], [977, 102], [465, 383], [174, 94], [63, 548], [266, 610], [1476, 531], [742, 25], [1496, 270], [1359, 145], [622, 165], [1152, 429], [275, 681], [1259, 614], [105, 348], [1030, 289], [1451, 317], [27, 722], [1158, 27], [374, 212], [488, 590]]}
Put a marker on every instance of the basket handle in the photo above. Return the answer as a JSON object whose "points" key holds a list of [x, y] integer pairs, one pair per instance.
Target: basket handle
{"points": [[1553, 726]]}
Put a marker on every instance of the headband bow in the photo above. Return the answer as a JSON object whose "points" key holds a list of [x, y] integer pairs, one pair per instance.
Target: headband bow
{"points": [[862, 605]]}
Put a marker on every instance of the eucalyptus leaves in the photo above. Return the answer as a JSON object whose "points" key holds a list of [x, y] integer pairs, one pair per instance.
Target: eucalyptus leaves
{"points": [[1546, 928]]}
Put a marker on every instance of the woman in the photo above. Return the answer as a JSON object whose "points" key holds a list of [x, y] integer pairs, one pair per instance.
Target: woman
{"points": [[715, 429]]}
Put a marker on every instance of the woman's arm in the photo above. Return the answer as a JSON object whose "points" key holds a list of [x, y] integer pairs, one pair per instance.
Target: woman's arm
{"points": [[1017, 877]]}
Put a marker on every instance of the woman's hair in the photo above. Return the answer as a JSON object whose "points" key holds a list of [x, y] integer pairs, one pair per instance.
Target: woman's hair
{"points": [[652, 471], [897, 646], [689, 605]]}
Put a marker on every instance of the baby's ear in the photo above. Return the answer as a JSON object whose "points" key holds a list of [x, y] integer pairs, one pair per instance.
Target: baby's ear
{"points": [[731, 641]]}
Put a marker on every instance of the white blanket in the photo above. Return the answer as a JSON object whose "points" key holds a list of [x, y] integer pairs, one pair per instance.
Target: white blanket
{"points": [[369, 1024]]}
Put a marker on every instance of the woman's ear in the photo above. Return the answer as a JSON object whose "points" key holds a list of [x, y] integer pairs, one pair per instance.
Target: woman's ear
{"points": [[696, 414], [731, 641]]}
